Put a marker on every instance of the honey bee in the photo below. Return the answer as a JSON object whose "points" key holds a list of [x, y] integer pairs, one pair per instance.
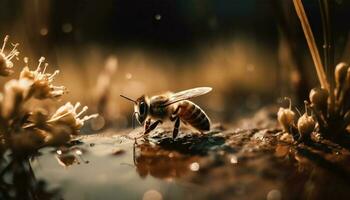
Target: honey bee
{"points": [[171, 106]]}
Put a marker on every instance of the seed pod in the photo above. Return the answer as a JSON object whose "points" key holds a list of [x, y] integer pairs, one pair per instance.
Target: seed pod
{"points": [[340, 74], [285, 117], [347, 81], [319, 97], [306, 125]]}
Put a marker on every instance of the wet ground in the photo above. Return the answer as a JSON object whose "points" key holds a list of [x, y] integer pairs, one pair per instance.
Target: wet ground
{"points": [[226, 163]]}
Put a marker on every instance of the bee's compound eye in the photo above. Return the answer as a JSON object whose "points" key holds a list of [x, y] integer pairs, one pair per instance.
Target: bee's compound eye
{"points": [[142, 108]]}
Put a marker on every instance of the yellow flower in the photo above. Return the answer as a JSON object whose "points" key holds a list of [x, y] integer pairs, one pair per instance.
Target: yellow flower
{"points": [[68, 115], [6, 64], [42, 87]]}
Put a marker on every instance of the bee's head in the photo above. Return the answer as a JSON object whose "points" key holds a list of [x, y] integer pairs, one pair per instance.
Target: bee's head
{"points": [[141, 109]]}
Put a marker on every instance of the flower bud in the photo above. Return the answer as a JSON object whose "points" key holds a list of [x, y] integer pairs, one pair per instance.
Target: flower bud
{"points": [[15, 92], [319, 97], [306, 125], [42, 87], [68, 115], [340, 73], [285, 117]]}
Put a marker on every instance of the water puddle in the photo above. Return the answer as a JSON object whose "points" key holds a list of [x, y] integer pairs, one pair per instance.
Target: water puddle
{"points": [[242, 164]]}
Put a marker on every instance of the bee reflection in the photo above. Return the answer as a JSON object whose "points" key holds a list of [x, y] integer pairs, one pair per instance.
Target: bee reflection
{"points": [[160, 163]]}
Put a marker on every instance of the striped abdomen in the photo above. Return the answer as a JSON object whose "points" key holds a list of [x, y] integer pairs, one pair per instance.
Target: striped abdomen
{"points": [[192, 114]]}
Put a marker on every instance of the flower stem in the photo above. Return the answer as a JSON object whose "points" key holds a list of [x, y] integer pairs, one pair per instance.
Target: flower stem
{"points": [[312, 44], [328, 42]]}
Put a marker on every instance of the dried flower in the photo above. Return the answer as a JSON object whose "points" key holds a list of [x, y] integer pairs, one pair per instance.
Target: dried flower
{"points": [[27, 141], [38, 118], [23, 131], [67, 115], [285, 117], [42, 87], [58, 135], [15, 92], [6, 64]]}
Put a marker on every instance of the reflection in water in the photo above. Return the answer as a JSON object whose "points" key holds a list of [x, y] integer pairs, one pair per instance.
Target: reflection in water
{"points": [[165, 158], [18, 181], [66, 160], [245, 164], [164, 164], [69, 156]]}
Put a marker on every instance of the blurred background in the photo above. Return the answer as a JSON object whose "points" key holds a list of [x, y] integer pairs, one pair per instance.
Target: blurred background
{"points": [[252, 52]]}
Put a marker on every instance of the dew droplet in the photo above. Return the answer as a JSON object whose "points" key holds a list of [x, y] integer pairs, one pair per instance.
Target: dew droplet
{"points": [[78, 152]]}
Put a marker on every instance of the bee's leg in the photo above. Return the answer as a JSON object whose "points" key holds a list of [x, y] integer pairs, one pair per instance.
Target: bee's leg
{"points": [[175, 113], [134, 152], [176, 127], [176, 118], [152, 126], [147, 124]]}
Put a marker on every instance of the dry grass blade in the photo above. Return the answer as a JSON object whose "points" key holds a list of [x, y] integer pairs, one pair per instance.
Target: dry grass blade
{"points": [[312, 44]]}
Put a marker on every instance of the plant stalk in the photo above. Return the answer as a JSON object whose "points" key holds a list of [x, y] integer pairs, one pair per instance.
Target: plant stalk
{"points": [[328, 45], [299, 8]]}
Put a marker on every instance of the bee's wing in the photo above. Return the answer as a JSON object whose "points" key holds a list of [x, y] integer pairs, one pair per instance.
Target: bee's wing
{"points": [[187, 94]]}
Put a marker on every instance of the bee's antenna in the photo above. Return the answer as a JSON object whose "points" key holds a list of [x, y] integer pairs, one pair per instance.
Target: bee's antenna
{"points": [[127, 98]]}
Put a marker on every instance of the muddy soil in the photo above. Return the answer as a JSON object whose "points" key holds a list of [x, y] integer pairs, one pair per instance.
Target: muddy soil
{"points": [[255, 161]]}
